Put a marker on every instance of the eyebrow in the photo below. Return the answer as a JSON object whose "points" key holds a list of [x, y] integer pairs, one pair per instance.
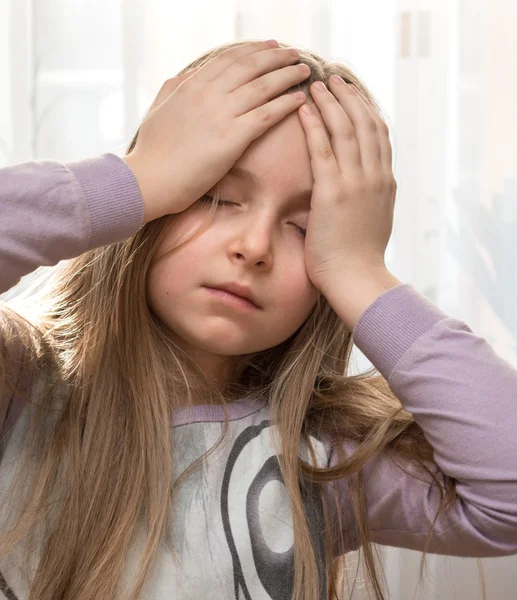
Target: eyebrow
{"points": [[303, 197]]}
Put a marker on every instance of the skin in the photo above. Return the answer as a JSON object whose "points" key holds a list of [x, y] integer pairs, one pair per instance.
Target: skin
{"points": [[254, 243]]}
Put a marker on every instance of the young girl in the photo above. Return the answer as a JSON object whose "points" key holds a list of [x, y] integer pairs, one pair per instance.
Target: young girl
{"points": [[163, 437]]}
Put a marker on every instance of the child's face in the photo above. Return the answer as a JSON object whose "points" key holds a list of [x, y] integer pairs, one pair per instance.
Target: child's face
{"points": [[255, 243]]}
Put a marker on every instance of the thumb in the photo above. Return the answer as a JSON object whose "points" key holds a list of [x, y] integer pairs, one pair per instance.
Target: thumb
{"points": [[169, 86]]}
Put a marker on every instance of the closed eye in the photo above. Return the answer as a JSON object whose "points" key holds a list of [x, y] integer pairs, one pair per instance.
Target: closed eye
{"points": [[227, 202], [208, 198]]}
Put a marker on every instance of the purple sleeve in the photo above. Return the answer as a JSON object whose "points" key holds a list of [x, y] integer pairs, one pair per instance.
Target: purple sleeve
{"points": [[464, 397], [50, 211]]}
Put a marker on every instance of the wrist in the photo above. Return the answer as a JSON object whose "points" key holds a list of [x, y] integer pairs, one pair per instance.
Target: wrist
{"points": [[147, 191], [352, 293]]}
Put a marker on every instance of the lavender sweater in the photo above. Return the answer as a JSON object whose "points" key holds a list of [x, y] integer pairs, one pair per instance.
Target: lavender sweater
{"points": [[233, 526]]}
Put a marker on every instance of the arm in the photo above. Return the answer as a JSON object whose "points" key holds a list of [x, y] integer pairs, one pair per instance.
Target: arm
{"points": [[464, 396], [52, 211]]}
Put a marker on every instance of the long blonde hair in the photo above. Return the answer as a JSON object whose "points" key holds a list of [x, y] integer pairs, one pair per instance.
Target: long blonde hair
{"points": [[99, 452]]}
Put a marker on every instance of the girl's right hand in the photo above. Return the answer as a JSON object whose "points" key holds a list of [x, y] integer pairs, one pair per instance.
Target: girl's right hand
{"points": [[202, 121]]}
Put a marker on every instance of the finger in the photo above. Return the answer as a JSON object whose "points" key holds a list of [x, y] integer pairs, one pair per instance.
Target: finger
{"points": [[323, 160], [169, 86], [254, 123], [217, 65], [263, 73], [343, 135], [384, 134], [339, 101], [267, 87]]}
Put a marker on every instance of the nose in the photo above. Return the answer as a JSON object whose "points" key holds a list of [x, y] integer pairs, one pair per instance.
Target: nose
{"points": [[253, 242]]}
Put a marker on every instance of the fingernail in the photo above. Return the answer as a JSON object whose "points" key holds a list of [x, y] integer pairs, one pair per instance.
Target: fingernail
{"points": [[337, 79]]}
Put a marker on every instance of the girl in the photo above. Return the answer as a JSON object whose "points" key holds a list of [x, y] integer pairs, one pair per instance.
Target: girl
{"points": [[163, 438]]}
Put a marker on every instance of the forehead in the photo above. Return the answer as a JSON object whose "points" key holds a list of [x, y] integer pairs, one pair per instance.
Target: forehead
{"points": [[279, 159]]}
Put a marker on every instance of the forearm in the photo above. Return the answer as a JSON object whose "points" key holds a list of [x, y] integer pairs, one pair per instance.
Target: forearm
{"points": [[351, 294], [52, 211]]}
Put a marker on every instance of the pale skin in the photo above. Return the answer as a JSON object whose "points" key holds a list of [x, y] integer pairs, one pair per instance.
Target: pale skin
{"points": [[255, 241]]}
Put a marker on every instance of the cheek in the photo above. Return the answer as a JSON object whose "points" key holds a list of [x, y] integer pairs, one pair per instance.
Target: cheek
{"points": [[296, 292], [161, 287], [155, 288], [174, 268]]}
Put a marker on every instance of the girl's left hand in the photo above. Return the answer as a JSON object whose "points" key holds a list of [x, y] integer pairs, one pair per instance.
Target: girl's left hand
{"points": [[351, 216]]}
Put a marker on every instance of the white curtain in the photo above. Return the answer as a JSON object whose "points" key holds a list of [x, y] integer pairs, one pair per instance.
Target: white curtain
{"points": [[77, 76]]}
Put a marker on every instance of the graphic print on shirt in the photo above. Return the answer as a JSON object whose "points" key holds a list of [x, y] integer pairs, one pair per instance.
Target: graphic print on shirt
{"points": [[263, 558], [231, 524], [7, 592]]}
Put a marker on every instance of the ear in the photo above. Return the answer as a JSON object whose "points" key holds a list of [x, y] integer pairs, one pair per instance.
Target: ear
{"points": [[169, 86]]}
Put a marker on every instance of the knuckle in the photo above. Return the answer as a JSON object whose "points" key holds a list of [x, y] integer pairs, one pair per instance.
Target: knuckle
{"points": [[186, 84], [382, 182], [258, 84], [247, 62], [371, 126], [222, 134], [168, 84], [348, 134], [384, 128], [337, 192], [325, 151], [377, 183], [263, 114]]}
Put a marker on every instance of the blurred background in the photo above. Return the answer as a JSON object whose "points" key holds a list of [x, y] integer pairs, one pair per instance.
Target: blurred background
{"points": [[77, 77]]}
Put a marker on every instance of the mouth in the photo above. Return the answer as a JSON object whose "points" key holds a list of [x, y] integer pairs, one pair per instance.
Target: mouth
{"points": [[231, 299]]}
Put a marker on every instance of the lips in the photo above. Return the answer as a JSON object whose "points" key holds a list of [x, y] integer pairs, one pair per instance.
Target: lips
{"points": [[237, 290], [232, 299]]}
